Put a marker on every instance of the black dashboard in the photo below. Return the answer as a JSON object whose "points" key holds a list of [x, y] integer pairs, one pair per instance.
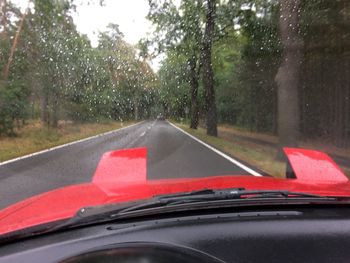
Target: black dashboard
{"points": [[296, 234]]}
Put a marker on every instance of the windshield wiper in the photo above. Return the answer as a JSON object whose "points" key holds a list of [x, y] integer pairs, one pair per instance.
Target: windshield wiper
{"points": [[217, 195], [192, 201], [188, 202]]}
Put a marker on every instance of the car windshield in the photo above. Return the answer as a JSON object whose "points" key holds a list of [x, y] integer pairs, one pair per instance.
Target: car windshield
{"points": [[207, 91]]}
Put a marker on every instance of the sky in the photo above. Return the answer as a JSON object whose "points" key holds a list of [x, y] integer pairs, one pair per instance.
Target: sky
{"points": [[130, 15], [91, 18]]}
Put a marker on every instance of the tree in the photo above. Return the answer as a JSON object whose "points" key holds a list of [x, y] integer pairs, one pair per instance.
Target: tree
{"points": [[14, 93], [208, 74], [178, 30], [257, 58], [48, 64], [324, 89], [14, 44], [130, 75], [4, 14], [288, 75], [174, 86], [53, 28], [190, 30], [191, 45]]}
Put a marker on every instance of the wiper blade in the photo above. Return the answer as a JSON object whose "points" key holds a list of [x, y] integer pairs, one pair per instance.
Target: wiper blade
{"points": [[192, 201], [213, 195], [186, 202], [238, 193]]}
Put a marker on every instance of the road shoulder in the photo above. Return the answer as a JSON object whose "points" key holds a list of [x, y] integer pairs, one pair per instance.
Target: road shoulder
{"points": [[19, 152], [212, 144]]}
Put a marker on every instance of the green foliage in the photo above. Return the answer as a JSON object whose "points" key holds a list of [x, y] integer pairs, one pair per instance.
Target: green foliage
{"points": [[256, 73], [246, 56], [13, 106], [56, 68], [174, 85]]}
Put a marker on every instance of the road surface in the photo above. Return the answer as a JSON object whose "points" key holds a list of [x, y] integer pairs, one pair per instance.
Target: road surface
{"points": [[171, 154]]}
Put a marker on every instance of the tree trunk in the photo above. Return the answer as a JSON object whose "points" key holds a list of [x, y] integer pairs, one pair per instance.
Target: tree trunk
{"points": [[13, 47], [112, 74], [194, 81], [208, 74], [3, 35], [136, 107], [55, 112], [287, 78], [3, 4], [44, 108], [55, 102]]}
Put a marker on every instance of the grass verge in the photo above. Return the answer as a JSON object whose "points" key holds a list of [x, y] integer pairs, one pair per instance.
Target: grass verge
{"points": [[34, 137], [269, 142], [255, 154], [260, 157], [319, 144]]}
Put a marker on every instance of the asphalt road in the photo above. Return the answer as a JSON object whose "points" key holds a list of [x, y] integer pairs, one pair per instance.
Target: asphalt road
{"points": [[171, 154]]}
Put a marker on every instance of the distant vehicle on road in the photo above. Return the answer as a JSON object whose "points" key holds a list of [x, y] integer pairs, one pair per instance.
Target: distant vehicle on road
{"points": [[160, 117]]}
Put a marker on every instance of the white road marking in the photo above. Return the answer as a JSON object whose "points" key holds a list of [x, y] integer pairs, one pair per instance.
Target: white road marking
{"points": [[67, 144], [239, 164], [142, 134]]}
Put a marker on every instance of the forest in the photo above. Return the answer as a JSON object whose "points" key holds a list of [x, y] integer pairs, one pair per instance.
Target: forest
{"points": [[50, 71], [270, 66]]}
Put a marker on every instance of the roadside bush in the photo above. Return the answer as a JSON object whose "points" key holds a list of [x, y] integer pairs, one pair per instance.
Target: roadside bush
{"points": [[13, 107]]}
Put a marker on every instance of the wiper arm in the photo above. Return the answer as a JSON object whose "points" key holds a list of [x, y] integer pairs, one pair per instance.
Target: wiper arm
{"points": [[186, 201], [213, 195], [238, 193], [192, 201]]}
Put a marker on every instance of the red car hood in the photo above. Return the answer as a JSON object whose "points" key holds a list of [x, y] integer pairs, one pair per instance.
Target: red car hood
{"points": [[121, 177]]}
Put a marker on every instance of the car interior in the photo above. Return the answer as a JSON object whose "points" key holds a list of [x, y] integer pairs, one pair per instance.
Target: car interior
{"points": [[267, 234]]}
